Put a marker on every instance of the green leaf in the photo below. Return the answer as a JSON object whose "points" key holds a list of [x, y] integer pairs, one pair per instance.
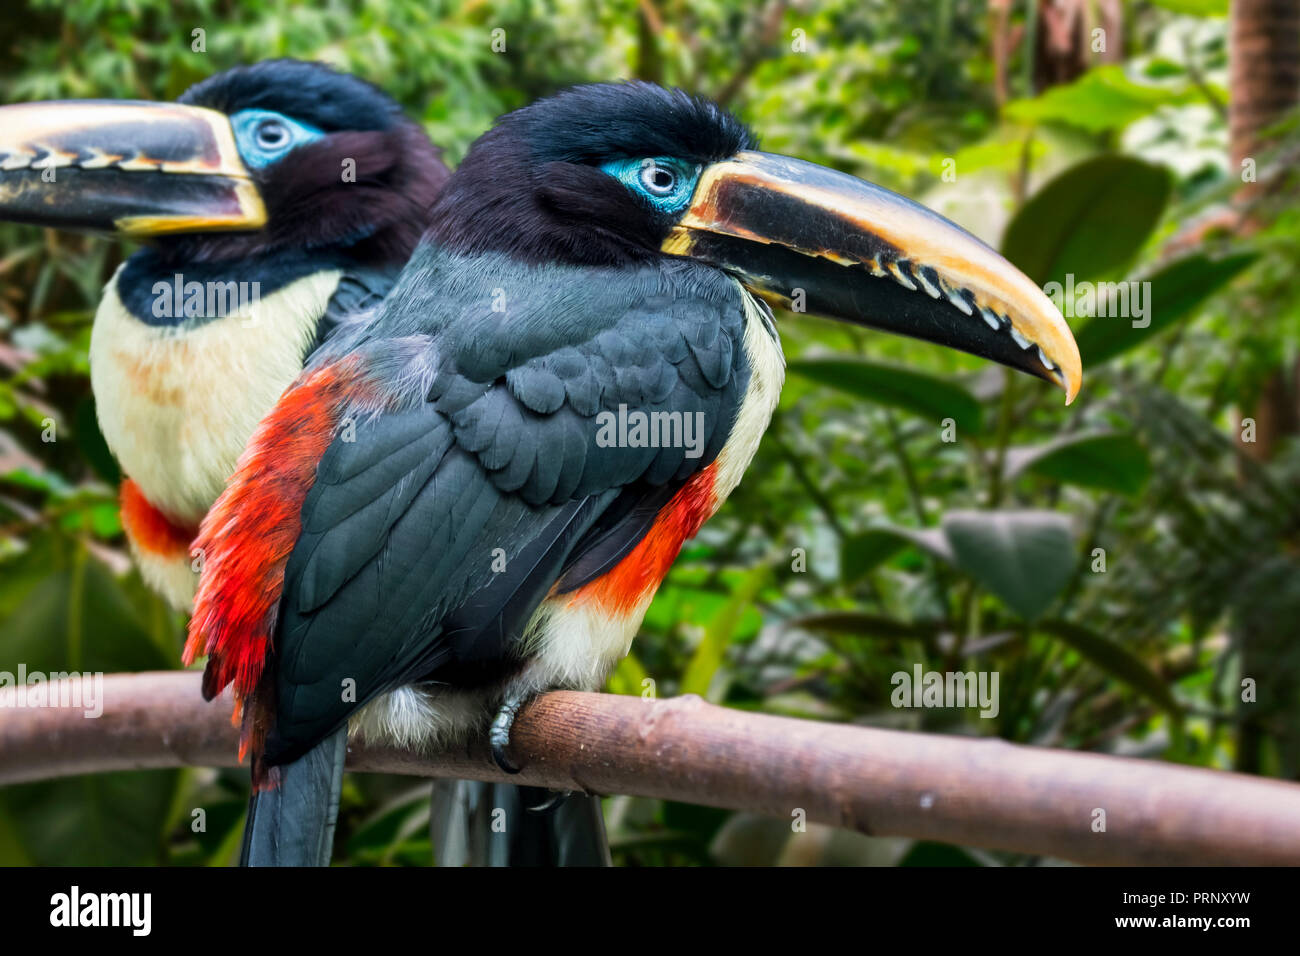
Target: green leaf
{"points": [[108, 819], [1089, 221], [864, 552], [1159, 68], [1196, 8], [92, 444], [627, 678], [11, 844], [1175, 292], [925, 853], [1107, 461], [400, 826], [219, 841], [706, 662], [867, 550], [1024, 557], [859, 624], [1102, 99], [226, 853], [1114, 659], [679, 601], [929, 396], [78, 620]]}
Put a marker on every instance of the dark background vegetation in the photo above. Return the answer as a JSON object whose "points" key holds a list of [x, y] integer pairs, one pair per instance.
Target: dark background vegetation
{"points": [[861, 543]]}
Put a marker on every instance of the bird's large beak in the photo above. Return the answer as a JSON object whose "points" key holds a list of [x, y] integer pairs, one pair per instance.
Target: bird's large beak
{"points": [[821, 241], [136, 168]]}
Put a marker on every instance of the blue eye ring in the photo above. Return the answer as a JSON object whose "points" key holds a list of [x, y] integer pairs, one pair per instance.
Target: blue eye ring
{"points": [[665, 182], [265, 136]]}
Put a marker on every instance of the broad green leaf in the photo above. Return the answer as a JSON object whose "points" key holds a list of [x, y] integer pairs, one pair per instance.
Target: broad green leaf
{"points": [[1024, 557], [707, 659], [676, 602], [1110, 462], [929, 396], [1102, 99], [78, 620], [1088, 222], [1112, 658], [1004, 151], [1175, 293], [862, 552], [107, 819], [21, 575], [47, 481]]}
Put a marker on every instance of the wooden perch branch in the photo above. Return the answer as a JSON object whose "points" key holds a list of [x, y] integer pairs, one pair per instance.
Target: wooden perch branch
{"points": [[977, 792]]}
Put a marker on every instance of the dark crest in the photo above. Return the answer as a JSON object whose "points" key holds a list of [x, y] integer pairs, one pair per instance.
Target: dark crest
{"points": [[312, 92]]}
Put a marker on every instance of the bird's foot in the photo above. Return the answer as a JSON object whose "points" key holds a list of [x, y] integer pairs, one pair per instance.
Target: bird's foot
{"points": [[499, 735]]}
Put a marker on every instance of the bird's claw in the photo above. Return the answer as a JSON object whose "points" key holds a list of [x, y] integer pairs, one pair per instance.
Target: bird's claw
{"points": [[499, 735]]}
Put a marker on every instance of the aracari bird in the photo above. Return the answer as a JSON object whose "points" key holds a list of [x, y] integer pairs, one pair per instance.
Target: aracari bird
{"points": [[437, 519], [274, 201]]}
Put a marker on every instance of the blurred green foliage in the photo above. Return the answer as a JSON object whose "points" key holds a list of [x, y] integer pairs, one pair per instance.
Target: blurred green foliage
{"points": [[909, 506]]}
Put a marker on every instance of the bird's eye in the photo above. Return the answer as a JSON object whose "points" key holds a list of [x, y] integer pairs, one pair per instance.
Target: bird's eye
{"points": [[665, 181], [265, 137], [271, 135], [658, 179]]}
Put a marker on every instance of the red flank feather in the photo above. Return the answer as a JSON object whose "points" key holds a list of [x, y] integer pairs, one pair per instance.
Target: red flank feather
{"points": [[623, 587], [152, 531], [245, 541]]}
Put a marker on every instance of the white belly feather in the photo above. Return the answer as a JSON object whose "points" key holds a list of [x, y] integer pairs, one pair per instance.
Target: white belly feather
{"points": [[176, 405]]}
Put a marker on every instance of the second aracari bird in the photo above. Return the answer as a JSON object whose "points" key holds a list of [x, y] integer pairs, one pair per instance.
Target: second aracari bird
{"points": [[273, 201], [439, 519]]}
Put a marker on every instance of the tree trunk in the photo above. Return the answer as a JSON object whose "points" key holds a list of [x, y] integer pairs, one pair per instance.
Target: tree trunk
{"points": [[1264, 59]]}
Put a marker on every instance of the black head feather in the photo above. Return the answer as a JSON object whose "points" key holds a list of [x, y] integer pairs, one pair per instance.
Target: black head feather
{"points": [[313, 92], [531, 186], [601, 121]]}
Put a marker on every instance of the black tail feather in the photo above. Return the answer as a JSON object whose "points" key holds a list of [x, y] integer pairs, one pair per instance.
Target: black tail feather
{"points": [[293, 824], [491, 824]]}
